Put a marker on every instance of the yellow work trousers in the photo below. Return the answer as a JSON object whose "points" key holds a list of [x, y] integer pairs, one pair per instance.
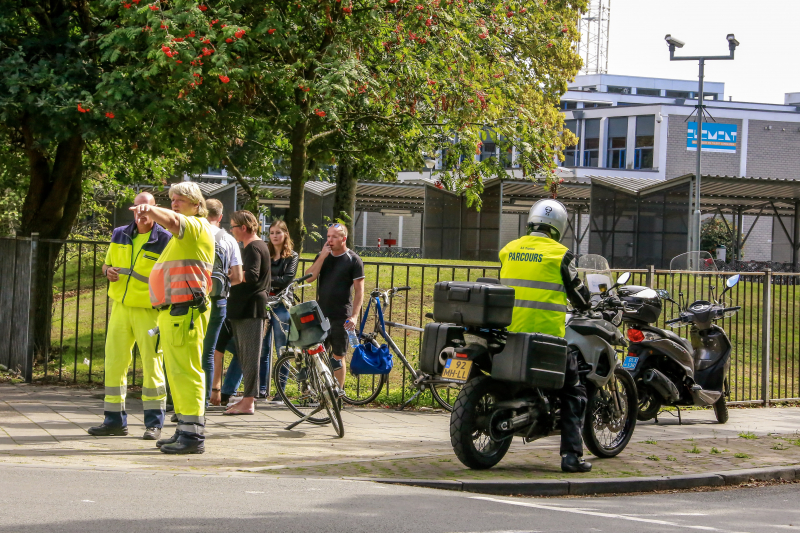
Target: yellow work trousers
{"points": [[128, 326], [182, 342]]}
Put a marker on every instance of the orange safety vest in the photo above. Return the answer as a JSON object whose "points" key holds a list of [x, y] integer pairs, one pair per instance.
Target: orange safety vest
{"points": [[184, 266]]}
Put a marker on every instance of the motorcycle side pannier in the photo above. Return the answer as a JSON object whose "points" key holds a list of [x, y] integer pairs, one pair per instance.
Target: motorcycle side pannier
{"points": [[436, 338], [472, 303], [535, 359]]}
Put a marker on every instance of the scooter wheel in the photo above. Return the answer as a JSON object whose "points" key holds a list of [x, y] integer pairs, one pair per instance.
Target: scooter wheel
{"points": [[649, 404], [468, 432], [721, 409]]}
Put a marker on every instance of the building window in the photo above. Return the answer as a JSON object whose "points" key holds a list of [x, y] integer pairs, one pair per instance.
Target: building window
{"points": [[679, 94], [710, 96], [569, 104], [572, 153], [591, 143], [617, 142], [596, 104], [214, 171], [648, 92], [645, 140], [619, 90]]}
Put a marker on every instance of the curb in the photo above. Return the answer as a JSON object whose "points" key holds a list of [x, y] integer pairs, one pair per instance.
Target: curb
{"points": [[586, 487]]}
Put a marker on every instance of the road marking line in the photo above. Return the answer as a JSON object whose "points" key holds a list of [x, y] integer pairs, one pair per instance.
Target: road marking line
{"points": [[596, 513]]}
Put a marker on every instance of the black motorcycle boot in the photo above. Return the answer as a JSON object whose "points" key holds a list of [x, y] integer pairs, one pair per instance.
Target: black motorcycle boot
{"points": [[184, 445], [572, 463], [108, 431], [168, 440]]}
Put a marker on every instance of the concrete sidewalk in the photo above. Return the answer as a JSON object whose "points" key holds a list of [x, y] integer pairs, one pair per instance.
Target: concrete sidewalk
{"points": [[46, 425]]}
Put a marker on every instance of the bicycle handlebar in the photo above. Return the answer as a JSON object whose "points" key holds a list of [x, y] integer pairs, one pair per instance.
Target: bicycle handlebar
{"points": [[403, 288], [301, 279]]}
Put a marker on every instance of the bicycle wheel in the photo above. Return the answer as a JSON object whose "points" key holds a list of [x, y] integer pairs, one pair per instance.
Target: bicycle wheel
{"points": [[324, 381], [446, 394], [301, 397]]}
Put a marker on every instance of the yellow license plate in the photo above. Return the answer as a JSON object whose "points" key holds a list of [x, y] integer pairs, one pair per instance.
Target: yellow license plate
{"points": [[456, 370]]}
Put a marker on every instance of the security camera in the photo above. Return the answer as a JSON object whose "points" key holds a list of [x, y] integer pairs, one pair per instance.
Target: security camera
{"points": [[732, 40], [672, 41]]}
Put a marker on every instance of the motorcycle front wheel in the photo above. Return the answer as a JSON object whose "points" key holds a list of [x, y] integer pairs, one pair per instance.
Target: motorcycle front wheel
{"points": [[469, 424], [609, 425]]}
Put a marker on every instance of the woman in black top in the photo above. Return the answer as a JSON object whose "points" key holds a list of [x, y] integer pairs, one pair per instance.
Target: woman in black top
{"points": [[247, 306], [283, 270]]}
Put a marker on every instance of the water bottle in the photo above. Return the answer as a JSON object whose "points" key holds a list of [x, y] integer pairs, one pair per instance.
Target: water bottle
{"points": [[352, 337]]}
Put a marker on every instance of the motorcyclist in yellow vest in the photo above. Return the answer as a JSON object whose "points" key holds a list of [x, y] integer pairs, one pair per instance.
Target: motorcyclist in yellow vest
{"points": [[133, 252], [179, 286], [543, 274]]}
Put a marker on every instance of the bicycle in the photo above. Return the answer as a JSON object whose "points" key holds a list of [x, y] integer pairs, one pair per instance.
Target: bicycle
{"points": [[421, 381], [303, 378]]}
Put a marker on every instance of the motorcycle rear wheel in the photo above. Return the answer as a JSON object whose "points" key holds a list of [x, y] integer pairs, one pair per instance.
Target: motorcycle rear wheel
{"points": [[605, 434], [649, 403], [469, 432]]}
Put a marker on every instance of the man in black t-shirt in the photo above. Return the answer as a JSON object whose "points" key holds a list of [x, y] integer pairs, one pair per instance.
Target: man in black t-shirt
{"points": [[340, 270]]}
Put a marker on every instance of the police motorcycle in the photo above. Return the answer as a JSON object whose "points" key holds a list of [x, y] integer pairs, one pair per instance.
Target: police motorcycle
{"points": [[513, 379], [669, 369]]}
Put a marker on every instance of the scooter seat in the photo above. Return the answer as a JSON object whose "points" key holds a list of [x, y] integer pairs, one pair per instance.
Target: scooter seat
{"points": [[673, 337]]}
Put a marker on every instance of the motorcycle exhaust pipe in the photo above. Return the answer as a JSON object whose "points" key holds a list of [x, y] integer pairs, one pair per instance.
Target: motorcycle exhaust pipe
{"points": [[661, 384]]}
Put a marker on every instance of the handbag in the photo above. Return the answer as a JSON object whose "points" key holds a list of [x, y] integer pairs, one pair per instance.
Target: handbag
{"points": [[367, 359]]}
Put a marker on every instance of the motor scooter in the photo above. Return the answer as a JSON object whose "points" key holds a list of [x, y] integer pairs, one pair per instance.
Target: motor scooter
{"points": [[669, 369]]}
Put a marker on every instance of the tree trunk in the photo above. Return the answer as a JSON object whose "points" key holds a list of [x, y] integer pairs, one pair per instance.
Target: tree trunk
{"points": [[50, 209], [297, 174], [344, 203]]}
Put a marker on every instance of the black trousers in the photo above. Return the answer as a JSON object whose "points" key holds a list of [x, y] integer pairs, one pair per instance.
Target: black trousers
{"points": [[573, 408]]}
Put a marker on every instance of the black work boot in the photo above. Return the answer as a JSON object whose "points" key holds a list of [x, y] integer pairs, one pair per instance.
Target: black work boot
{"points": [[184, 445], [108, 431], [168, 440], [572, 463]]}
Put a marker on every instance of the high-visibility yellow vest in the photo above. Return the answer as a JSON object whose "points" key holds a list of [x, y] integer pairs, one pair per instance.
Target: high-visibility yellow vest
{"points": [[185, 265], [532, 265], [131, 288]]}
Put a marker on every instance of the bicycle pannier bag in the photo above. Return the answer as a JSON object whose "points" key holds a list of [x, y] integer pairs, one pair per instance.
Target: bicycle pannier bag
{"points": [[308, 325]]}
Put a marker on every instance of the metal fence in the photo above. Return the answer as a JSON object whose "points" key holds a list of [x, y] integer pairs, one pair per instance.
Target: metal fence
{"points": [[764, 334]]}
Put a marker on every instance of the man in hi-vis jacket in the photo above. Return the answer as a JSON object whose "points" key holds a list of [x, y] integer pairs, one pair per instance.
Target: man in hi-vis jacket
{"points": [[133, 252], [543, 274]]}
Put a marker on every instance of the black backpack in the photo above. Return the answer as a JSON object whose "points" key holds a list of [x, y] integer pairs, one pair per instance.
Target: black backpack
{"points": [[220, 282]]}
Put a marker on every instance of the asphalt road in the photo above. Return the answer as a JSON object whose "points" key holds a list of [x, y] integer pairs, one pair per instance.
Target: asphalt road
{"points": [[46, 499]]}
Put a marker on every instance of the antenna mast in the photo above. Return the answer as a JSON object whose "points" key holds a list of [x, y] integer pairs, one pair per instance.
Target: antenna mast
{"points": [[593, 46]]}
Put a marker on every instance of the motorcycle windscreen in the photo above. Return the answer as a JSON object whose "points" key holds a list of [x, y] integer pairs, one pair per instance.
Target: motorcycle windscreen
{"points": [[595, 273], [693, 262]]}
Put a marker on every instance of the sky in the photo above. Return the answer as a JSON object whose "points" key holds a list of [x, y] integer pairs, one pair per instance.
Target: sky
{"points": [[766, 63]]}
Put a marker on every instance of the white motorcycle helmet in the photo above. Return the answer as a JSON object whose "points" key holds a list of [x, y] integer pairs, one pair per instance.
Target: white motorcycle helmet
{"points": [[548, 217]]}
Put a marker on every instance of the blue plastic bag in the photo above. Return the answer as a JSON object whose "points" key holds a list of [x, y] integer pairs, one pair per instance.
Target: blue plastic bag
{"points": [[367, 359]]}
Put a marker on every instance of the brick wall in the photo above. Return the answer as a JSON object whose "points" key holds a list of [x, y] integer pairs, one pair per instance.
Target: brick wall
{"points": [[379, 225], [681, 161], [773, 153]]}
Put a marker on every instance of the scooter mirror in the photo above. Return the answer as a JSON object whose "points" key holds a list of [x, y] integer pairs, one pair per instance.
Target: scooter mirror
{"points": [[663, 294], [623, 278], [732, 281]]}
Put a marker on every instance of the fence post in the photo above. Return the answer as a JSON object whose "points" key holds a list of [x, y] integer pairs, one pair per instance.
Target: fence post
{"points": [[651, 276], [766, 337], [30, 352]]}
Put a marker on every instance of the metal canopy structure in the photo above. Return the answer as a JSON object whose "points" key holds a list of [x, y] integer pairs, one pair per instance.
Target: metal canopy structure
{"points": [[632, 200]]}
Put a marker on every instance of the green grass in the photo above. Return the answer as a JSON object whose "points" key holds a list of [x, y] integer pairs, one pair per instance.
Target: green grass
{"points": [[740, 455], [715, 451], [748, 435]]}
